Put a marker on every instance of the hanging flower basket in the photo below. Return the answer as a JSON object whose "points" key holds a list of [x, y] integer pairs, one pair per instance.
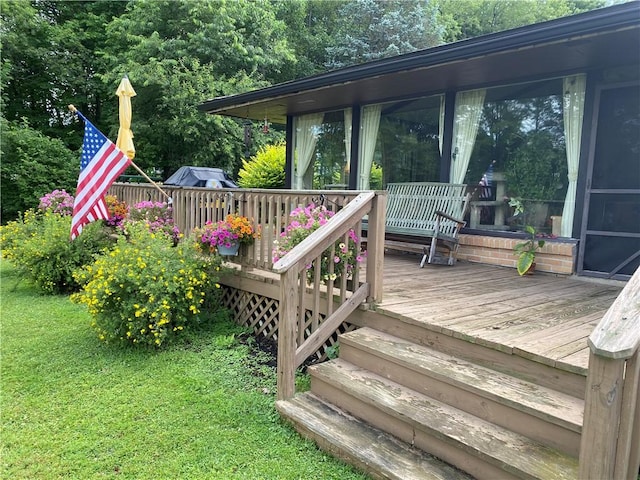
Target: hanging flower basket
{"points": [[226, 236], [230, 250]]}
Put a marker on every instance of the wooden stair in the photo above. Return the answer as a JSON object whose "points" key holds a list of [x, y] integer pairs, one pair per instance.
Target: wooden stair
{"points": [[481, 420]]}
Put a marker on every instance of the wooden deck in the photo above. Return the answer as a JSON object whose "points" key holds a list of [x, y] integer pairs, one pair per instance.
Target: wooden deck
{"points": [[543, 317]]}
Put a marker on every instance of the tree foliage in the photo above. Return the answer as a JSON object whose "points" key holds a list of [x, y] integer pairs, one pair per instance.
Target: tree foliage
{"points": [[51, 51], [179, 53], [472, 18], [311, 26], [373, 29], [32, 165]]}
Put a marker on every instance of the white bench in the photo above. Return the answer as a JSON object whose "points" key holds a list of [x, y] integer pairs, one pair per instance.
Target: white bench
{"points": [[430, 210]]}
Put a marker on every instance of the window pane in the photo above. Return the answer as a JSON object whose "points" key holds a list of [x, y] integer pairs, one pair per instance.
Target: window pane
{"points": [[614, 213], [330, 165], [618, 138], [407, 148], [520, 153]]}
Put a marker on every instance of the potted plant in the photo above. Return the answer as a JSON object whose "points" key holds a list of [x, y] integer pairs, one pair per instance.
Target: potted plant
{"points": [[226, 236], [526, 251]]}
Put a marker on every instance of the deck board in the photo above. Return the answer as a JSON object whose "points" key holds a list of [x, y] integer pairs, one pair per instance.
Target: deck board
{"points": [[543, 317]]}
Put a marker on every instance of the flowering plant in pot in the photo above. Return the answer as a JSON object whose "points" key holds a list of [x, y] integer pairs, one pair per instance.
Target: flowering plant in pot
{"points": [[527, 250], [226, 235], [305, 221]]}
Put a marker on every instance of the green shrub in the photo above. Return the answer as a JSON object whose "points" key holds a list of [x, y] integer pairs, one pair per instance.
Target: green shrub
{"points": [[32, 165], [145, 291], [265, 169], [375, 181], [39, 246]]}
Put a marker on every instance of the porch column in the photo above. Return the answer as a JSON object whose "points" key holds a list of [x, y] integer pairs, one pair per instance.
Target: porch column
{"points": [[355, 147], [288, 161]]}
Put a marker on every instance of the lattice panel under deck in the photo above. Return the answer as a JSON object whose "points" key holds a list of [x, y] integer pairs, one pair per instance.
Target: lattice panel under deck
{"points": [[261, 313]]}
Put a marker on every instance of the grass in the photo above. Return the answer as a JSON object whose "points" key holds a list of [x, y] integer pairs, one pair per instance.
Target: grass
{"points": [[72, 407]]}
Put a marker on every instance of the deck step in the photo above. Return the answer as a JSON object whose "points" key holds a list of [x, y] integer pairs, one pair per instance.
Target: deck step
{"points": [[373, 451], [507, 360], [524, 407], [481, 448]]}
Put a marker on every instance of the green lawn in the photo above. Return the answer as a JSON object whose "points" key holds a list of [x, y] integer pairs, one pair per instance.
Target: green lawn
{"points": [[72, 407]]}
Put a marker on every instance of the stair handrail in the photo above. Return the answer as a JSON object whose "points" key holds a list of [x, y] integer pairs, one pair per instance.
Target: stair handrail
{"points": [[610, 443], [293, 348]]}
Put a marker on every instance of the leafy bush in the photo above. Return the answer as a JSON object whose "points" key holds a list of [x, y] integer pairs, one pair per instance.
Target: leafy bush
{"points": [[32, 165], [334, 263], [38, 244], [145, 291], [375, 181], [265, 169]]}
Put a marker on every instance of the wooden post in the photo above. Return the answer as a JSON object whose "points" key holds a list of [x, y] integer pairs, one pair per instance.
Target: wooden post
{"points": [[287, 326], [375, 247], [603, 401], [609, 443], [628, 451]]}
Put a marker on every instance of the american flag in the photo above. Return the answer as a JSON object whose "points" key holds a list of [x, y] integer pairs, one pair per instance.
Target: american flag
{"points": [[101, 164]]}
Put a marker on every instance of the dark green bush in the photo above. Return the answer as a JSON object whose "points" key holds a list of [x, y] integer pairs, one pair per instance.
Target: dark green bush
{"points": [[32, 165]]}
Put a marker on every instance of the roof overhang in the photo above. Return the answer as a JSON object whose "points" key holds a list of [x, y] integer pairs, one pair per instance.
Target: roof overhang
{"points": [[603, 38]]}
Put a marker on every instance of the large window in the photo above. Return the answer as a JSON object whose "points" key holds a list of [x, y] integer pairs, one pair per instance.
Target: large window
{"points": [[509, 145], [322, 151], [407, 143], [517, 147], [331, 169]]}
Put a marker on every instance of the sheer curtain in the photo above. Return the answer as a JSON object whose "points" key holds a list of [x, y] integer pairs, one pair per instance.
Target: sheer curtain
{"points": [[348, 118], [305, 146], [368, 137], [573, 112], [468, 112]]}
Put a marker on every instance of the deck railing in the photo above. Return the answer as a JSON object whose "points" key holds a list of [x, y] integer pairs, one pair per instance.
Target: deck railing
{"points": [[610, 444], [269, 209], [300, 336]]}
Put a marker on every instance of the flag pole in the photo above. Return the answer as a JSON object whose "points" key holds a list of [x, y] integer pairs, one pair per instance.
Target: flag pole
{"points": [[73, 109]]}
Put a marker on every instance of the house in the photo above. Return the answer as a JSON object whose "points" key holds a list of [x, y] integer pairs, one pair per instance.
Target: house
{"points": [[544, 117], [471, 367]]}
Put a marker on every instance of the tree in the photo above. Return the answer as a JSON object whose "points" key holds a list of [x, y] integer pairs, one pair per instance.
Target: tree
{"points": [[32, 165], [265, 169], [472, 18], [310, 27], [179, 53], [374, 29], [50, 60]]}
